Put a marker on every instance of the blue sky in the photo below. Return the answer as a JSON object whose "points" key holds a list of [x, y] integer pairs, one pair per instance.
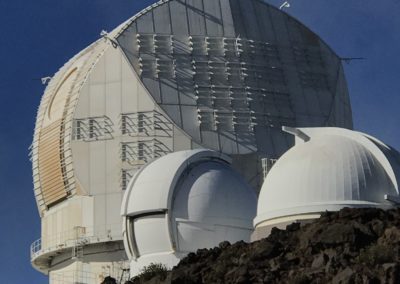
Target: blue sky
{"points": [[38, 36]]}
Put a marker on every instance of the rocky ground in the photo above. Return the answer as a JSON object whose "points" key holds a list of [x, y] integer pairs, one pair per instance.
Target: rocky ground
{"points": [[350, 246]]}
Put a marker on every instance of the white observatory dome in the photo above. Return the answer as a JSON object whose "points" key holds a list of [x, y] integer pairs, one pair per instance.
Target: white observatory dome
{"points": [[182, 202], [328, 169]]}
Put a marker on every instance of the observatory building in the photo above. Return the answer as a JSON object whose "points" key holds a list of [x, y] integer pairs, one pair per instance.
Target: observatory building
{"points": [[225, 75], [182, 202], [328, 169]]}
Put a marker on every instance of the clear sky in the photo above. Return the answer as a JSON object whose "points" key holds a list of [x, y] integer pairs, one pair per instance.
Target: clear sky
{"points": [[39, 36]]}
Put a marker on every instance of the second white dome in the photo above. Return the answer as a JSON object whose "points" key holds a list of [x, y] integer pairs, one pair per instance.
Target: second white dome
{"points": [[328, 169]]}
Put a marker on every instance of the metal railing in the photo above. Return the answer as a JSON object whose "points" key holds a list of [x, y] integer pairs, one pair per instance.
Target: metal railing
{"points": [[36, 247], [77, 236]]}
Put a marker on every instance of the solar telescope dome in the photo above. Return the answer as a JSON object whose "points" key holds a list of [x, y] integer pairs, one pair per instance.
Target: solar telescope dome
{"points": [[328, 169], [225, 75], [182, 202]]}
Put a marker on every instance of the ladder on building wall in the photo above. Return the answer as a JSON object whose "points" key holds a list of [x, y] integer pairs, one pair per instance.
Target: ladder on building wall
{"points": [[77, 251], [125, 275], [267, 165]]}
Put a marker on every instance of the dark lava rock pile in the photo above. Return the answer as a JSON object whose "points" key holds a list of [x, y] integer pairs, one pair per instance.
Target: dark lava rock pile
{"points": [[350, 246]]}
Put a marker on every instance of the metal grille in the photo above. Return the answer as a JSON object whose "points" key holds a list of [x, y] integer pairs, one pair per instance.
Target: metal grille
{"points": [[93, 129]]}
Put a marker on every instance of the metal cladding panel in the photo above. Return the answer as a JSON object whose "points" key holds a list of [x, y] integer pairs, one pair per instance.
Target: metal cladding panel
{"points": [[238, 65], [343, 107], [130, 38], [313, 107], [196, 19], [211, 139], [214, 24], [113, 205], [97, 162], [154, 88], [227, 20], [97, 100], [162, 20], [246, 143], [324, 104], [248, 18], [278, 20], [264, 22], [169, 92], [237, 18], [187, 98], [264, 143], [178, 18], [227, 144], [146, 24], [175, 113], [279, 141], [189, 121]]}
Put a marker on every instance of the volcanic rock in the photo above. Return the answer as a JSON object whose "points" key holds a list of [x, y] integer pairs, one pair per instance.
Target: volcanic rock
{"points": [[349, 246]]}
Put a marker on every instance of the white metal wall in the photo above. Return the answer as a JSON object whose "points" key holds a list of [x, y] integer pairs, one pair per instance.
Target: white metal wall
{"points": [[112, 93]]}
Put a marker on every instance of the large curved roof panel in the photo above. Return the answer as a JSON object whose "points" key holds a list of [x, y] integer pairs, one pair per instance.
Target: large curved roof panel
{"points": [[232, 72]]}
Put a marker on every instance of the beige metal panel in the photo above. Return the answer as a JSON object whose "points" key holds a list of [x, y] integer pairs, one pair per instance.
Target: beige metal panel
{"points": [[97, 100], [113, 106], [113, 167], [113, 203], [100, 212], [51, 154], [97, 75], [97, 163], [83, 100], [58, 100], [113, 70], [63, 222], [129, 102], [51, 175]]}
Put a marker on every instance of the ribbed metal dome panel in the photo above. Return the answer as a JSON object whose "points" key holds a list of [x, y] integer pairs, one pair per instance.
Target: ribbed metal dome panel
{"points": [[328, 172]]}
